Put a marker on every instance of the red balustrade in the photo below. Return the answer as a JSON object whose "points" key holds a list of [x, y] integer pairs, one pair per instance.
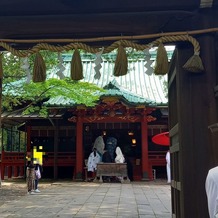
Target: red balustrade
{"points": [[13, 163]]}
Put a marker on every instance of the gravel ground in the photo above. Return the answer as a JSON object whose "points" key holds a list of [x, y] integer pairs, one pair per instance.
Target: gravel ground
{"points": [[13, 189]]}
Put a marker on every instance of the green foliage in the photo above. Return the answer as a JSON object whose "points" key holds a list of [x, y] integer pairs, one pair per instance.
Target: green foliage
{"points": [[42, 110], [80, 92], [12, 65], [14, 77], [17, 94], [34, 94]]}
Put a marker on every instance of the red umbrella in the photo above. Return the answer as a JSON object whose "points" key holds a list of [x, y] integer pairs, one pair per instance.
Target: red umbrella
{"points": [[162, 139]]}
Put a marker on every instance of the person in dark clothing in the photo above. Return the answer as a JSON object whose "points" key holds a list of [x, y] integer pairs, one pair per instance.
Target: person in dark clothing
{"points": [[129, 168], [106, 157], [111, 145]]}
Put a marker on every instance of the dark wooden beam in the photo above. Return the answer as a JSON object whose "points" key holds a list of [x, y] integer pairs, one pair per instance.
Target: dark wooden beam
{"points": [[91, 26], [58, 7]]}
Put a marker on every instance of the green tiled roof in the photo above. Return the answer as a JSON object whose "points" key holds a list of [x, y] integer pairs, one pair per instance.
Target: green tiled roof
{"points": [[136, 87], [113, 89]]}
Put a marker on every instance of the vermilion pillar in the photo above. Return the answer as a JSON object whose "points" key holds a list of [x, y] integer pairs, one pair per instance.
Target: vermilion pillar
{"points": [[28, 146], [79, 149], [144, 135]]}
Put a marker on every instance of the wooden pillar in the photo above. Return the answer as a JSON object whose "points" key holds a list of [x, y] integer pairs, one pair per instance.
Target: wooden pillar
{"points": [[2, 171], [56, 137], [9, 172], [144, 135], [79, 149], [2, 165], [192, 150], [28, 145], [15, 174], [21, 170]]}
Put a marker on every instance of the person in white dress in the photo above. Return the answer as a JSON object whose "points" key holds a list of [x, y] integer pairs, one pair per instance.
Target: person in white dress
{"points": [[168, 167], [211, 186]]}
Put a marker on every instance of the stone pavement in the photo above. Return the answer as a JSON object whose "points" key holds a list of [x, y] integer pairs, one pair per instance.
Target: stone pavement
{"points": [[93, 200]]}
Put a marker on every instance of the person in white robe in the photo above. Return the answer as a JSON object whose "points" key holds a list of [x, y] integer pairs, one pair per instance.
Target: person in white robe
{"points": [[119, 156], [211, 186], [119, 159], [168, 167], [93, 159]]}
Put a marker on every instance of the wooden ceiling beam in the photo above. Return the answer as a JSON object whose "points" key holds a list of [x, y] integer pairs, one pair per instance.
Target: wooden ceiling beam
{"points": [[57, 7], [90, 26]]}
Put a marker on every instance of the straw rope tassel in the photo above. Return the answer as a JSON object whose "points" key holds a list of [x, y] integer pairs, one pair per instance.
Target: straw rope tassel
{"points": [[39, 69], [161, 64], [76, 66], [121, 63], [194, 64]]}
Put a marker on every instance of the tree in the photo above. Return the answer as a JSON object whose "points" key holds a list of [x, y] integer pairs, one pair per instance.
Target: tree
{"points": [[32, 97]]}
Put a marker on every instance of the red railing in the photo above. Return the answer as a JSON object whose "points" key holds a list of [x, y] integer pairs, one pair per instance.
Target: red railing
{"points": [[157, 158], [13, 163], [16, 158]]}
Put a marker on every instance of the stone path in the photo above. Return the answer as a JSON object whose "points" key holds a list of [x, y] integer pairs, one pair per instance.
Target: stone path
{"points": [[91, 200]]}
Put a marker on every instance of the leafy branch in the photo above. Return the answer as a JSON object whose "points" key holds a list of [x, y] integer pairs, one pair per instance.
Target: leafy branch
{"points": [[35, 97]]}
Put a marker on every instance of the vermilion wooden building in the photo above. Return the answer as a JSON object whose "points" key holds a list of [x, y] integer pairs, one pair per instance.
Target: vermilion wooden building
{"points": [[67, 137]]}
